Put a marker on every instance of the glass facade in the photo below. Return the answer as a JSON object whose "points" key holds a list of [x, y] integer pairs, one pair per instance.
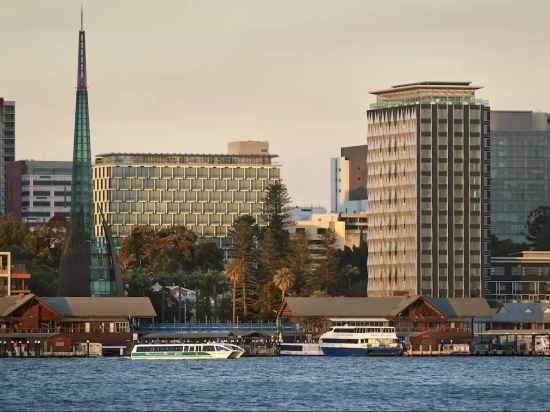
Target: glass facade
{"points": [[520, 180], [207, 197]]}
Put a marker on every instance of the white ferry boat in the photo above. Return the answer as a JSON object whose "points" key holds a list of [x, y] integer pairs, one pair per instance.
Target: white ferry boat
{"points": [[299, 349], [360, 337], [237, 350], [181, 351]]}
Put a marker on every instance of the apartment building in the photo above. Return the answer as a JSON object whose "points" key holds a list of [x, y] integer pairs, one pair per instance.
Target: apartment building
{"points": [[428, 190]]}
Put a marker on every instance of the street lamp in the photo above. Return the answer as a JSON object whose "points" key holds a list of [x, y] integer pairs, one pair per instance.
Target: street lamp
{"points": [[87, 348]]}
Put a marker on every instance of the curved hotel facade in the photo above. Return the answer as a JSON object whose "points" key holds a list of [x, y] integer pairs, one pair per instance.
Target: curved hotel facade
{"points": [[428, 190]]}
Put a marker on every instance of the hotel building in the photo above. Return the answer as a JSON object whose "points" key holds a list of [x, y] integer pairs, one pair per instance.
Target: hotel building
{"points": [[204, 192], [428, 190]]}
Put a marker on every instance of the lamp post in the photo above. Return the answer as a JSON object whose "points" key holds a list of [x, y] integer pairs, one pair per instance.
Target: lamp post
{"points": [[87, 348]]}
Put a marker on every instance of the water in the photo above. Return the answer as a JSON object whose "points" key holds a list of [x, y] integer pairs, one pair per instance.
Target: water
{"points": [[316, 383]]}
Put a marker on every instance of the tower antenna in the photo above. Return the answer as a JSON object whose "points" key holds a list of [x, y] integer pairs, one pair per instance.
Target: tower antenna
{"points": [[81, 17]]}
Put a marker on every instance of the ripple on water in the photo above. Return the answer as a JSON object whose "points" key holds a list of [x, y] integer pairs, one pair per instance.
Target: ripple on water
{"points": [[276, 383]]}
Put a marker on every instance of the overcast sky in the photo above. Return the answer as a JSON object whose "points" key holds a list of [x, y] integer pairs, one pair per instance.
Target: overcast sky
{"points": [[190, 76]]}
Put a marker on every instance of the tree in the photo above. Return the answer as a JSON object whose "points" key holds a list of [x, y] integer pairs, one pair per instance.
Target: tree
{"points": [[232, 272], [327, 262], [505, 247], [300, 264], [538, 228], [283, 279], [244, 254]]}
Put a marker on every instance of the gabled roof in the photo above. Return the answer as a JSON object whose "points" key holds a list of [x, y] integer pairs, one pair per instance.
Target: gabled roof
{"points": [[462, 307], [10, 303], [101, 307], [386, 307], [523, 312]]}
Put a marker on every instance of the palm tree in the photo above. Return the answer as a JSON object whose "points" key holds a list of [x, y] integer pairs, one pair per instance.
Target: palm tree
{"points": [[284, 280], [233, 273]]}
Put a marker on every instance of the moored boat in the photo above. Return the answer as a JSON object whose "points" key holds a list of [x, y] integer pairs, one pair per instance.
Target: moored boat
{"points": [[299, 349], [189, 351], [236, 351], [360, 337]]}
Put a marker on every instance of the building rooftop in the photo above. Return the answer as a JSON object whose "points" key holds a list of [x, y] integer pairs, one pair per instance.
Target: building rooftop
{"points": [[101, 307], [182, 158], [426, 92]]}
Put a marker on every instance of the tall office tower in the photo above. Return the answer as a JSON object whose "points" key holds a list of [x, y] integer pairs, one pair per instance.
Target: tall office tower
{"points": [[38, 190], [348, 177], [204, 192], [87, 267], [7, 145], [520, 176], [428, 190]]}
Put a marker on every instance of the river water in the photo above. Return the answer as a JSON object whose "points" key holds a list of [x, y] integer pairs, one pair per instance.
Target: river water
{"points": [[315, 383]]}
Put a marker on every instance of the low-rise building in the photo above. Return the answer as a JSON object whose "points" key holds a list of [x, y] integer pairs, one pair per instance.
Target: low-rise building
{"points": [[105, 320], [304, 212], [420, 320], [315, 228], [520, 277]]}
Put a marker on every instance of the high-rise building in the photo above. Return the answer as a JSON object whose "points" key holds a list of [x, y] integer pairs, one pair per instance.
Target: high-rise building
{"points": [[204, 192], [88, 267], [38, 190], [428, 190], [520, 172], [348, 180], [7, 145]]}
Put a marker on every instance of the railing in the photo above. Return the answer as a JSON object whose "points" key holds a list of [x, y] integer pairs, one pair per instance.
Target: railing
{"points": [[212, 327]]}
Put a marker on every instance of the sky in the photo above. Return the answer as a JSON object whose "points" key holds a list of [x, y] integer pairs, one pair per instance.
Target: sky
{"points": [[192, 75]]}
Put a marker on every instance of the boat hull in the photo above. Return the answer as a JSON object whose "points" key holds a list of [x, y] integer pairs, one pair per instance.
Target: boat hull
{"points": [[343, 351]]}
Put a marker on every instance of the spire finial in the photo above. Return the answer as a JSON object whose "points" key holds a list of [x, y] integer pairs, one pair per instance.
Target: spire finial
{"points": [[81, 17]]}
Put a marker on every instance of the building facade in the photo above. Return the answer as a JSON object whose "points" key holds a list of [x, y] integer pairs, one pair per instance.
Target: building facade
{"points": [[38, 190], [7, 145], [348, 177], [521, 277], [315, 228], [204, 192], [428, 190], [520, 170]]}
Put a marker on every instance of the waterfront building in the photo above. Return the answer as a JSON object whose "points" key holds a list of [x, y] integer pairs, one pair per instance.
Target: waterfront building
{"points": [[109, 321], [7, 144], [520, 176], [38, 190], [348, 180], [520, 277], [420, 320], [204, 192], [87, 267], [428, 190]]}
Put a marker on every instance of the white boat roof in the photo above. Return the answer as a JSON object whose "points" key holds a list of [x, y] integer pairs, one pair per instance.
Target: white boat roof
{"points": [[359, 320]]}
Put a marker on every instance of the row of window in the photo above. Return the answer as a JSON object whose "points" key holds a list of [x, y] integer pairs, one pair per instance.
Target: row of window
{"points": [[188, 172]]}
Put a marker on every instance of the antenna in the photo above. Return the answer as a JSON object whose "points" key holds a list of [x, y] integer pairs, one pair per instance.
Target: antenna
{"points": [[81, 17]]}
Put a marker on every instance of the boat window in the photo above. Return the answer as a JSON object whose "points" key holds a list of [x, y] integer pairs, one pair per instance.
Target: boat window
{"points": [[140, 349], [334, 340], [208, 348]]}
